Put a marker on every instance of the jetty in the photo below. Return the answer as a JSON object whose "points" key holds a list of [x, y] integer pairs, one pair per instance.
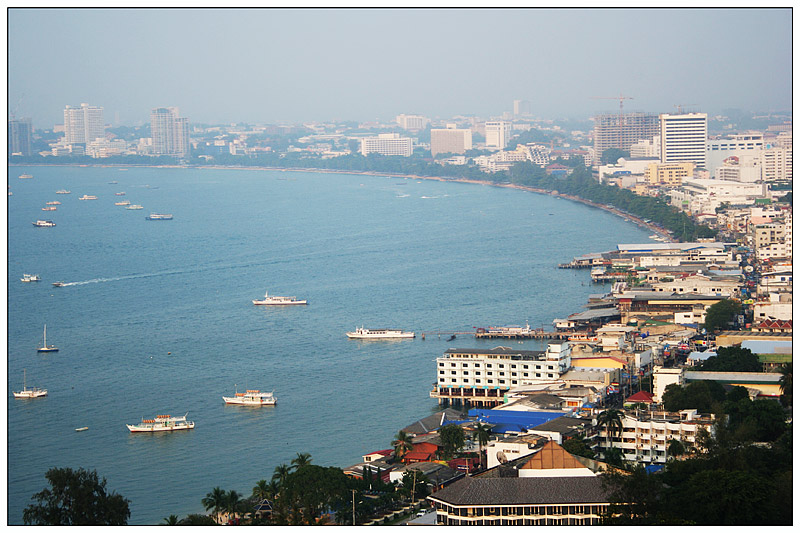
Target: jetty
{"points": [[500, 333]]}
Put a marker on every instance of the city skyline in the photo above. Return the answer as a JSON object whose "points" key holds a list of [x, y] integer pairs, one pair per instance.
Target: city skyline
{"points": [[296, 65]]}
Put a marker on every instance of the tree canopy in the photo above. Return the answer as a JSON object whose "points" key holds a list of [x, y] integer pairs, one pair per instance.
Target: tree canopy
{"points": [[452, 437], [732, 359], [721, 314], [76, 497]]}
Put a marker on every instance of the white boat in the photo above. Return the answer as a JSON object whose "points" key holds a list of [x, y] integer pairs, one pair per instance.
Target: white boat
{"points": [[251, 397], [25, 176], [63, 191], [87, 197], [119, 194], [45, 347], [134, 206], [124, 202], [34, 392], [49, 208], [44, 224], [159, 216], [365, 333], [279, 300], [56, 202], [84, 428], [161, 423], [27, 278]]}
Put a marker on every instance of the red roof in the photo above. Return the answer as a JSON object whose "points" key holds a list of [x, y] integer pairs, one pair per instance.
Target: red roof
{"points": [[775, 324], [381, 452], [640, 397], [427, 447], [416, 457]]}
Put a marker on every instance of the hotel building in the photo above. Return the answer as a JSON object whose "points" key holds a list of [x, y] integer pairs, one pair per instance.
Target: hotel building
{"points": [[170, 132], [450, 140], [83, 124], [387, 144], [684, 138], [498, 134]]}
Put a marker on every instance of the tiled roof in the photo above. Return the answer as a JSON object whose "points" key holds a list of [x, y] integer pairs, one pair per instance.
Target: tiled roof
{"points": [[641, 396], [523, 491], [551, 456]]}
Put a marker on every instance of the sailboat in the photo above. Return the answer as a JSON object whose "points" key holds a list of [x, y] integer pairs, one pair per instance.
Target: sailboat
{"points": [[45, 347], [34, 392]]}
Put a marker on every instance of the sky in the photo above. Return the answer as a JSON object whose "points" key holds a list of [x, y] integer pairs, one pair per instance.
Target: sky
{"points": [[298, 65]]}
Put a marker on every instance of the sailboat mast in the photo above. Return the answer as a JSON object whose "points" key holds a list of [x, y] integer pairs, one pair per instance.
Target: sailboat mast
{"points": [[45, 335]]}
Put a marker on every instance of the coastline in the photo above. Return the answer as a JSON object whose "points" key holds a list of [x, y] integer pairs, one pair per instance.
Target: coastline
{"points": [[632, 218]]}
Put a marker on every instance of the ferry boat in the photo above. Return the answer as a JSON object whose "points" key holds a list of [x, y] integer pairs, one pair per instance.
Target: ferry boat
{"points": [[365, 333], [45, 347], [161, 423], [63, 191], [124, 202], [134, 206], [56, 202], [49, 208], [279, 300], [87, 197], [44, 224], [34, 392], [158, 216], [251, 397], [25, 176], [510, 330], [27, 278]]}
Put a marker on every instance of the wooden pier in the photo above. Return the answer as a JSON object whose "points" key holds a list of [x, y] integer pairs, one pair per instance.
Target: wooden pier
{"points": [[532, 334]]}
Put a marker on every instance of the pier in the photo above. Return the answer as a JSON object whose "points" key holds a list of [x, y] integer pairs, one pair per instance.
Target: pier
{"points": [[525, 334]]}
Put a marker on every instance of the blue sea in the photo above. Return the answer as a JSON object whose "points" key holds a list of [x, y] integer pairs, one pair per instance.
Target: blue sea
{"points": [[156, 317]]}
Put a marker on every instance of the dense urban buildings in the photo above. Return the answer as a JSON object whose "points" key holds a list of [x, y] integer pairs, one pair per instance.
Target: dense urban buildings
{"points": [[170, 132]]}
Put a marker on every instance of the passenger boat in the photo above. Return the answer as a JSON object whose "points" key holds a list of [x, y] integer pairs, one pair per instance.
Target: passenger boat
{"points": [[49, 208], [124, 202], [45, 347], [27, 278], [87, 197], [56, 202], [44, 224], [25, 176], [365, 333], [134, 206], [251, 397], [161, 423], [279, 300], [34, 392], [158, 216], [63, 191]]}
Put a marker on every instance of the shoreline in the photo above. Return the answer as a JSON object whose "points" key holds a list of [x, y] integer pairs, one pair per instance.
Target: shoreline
{"points": [[632, 218]]}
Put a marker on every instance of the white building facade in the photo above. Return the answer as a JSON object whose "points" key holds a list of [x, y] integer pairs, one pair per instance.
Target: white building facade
{"points": [[498, 134], [683, 138], [387, 144], [83, 124]]}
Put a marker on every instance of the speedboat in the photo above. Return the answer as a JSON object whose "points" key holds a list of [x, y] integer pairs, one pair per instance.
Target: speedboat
{"points": [[58, 284], [44, 224]]}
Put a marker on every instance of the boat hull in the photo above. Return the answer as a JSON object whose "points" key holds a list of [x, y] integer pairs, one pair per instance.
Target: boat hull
{"points": [[380, 336], [252, 402], [30, 394], [158, 429], [47, 350], [264, 302]]}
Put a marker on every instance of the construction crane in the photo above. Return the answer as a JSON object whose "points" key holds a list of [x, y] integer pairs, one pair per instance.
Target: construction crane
{"points": [[621, 99], [680, 107]]}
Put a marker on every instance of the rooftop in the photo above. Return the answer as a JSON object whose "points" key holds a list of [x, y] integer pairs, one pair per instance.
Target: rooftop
{"points": [[523, 491]]}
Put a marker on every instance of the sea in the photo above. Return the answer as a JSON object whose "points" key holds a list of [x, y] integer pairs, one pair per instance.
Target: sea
{"points": [[156, 317]]}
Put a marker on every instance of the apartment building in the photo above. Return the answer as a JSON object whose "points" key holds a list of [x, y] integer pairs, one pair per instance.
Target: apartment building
{"points": [[412, 122], [83, 124], [450, 140], [170, 132], [742, 144], [684, 138], [615, 130], [705, 195], [647, 149], [668, 174], [498, 134], [19, 137], [387, 144]]}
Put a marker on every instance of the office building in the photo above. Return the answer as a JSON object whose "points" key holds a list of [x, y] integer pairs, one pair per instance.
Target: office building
{"points": [[776, 160], [615, 130], [170, 132], [387, 144], [718, 150], [450, 140], [498, 134], [83, 124], [19, 137], [744, 168], [684, 138], [412, 122], [668, 174]]}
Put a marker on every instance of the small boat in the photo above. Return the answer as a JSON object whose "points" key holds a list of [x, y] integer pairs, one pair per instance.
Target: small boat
{"points": [[124, 202], [27, 278], [87, 197], [25, 176], [49, 208], [56, 202], [63, 191], [34, 392], [379, 334], [84, 428], [279, 300], [158, 216], [452, 338], [58, 284], [134, 206], [44, 224], [119, 194], [251, 397], [45, 347], [161, 423], [113, 182]]}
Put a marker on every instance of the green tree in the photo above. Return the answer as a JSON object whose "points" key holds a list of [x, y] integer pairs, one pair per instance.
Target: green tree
{"points": [[452, 437], [171, 520], [635, 497], [402, 444], [611, 421], [675, 448], [76, 497], [197, 520], [705, 396], [262, 491], [611, 155], [732, 359], [578, 445], [280, 474], [301, 460], [721, 314], [215, 502], [786, 384], [233, 504]]}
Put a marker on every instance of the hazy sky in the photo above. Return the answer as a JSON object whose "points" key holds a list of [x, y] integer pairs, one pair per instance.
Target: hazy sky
{"points": [[312, 64]]}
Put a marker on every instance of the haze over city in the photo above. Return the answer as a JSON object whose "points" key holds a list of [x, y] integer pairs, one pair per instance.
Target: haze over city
{"points": [[294, 65]]}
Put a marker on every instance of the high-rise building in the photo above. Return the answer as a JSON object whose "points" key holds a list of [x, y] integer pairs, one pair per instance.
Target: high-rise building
{"points": [[498, 134], [684, 138], [83, 124], [741, 144], [450, 140], [387, 144], [522, 107], [412, 122], [170, 132], [615, 130], [19, 136]]}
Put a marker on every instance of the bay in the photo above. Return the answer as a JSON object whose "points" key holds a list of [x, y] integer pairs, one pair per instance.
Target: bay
{"points": [[156, 317]]}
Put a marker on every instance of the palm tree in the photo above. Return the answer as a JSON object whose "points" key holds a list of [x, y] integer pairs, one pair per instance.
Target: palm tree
{"points": [[171, 520], [261, 491], [482, 436], [301, 460], [214, 501], [232, 503], [281, 471], [402, 444], [611, 420]]}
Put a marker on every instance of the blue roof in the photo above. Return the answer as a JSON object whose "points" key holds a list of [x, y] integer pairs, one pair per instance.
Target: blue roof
{"points": [[652, 469], [767, 346], [506, 421]]}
